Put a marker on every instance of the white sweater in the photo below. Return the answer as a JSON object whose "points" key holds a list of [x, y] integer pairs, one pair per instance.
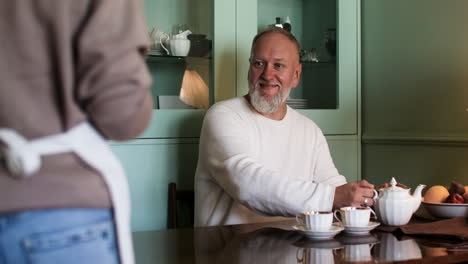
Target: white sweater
{"points": [[251, 168]]}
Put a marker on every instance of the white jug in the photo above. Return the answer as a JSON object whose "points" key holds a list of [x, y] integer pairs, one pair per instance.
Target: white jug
{"points": [[179, 44]]}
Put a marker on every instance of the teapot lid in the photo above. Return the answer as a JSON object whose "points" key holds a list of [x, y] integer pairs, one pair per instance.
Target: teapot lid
{"points": [[393, 182], [393, 186]]}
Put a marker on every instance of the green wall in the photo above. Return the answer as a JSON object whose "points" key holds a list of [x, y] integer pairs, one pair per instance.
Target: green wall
{"points": [[414, 89]]}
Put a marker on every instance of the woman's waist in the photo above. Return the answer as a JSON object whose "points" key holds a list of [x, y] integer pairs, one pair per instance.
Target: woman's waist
{"points": [[64, 181]]}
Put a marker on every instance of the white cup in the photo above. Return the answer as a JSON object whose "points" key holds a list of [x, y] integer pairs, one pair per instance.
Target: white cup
{"points": [[315, 220], [163, 40], [180, 47], [354, 216]]}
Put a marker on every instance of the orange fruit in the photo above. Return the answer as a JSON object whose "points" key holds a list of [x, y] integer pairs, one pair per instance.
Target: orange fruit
{"points": [[436, 194]]}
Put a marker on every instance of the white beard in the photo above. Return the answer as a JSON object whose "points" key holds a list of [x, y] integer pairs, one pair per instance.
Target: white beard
{"points": [[263, 105]]}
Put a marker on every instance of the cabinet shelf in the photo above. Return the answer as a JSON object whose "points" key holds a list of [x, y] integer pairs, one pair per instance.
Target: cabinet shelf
{"points": [[318, 63], [170, 58], [164, 58], [169, 73]]}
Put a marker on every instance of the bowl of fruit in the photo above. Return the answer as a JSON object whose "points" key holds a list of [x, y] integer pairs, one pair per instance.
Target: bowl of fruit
{"points": [[447, 203]]}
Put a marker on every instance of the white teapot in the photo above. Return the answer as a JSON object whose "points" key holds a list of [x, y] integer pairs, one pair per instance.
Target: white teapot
{"points": [[395, 205]]}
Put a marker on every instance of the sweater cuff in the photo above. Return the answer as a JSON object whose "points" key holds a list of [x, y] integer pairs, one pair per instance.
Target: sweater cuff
{"points": [[326, 200]]}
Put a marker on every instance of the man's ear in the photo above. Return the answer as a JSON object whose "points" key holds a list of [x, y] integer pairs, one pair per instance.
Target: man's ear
{"points": [[297, 75]]}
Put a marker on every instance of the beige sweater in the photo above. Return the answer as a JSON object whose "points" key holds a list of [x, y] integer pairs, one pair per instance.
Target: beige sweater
{"points": [[64, 62]]}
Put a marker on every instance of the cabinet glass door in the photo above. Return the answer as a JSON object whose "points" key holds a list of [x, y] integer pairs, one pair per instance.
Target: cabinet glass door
{"points": [[313, 23], [180, 58], [328, 31], [184, 86]]}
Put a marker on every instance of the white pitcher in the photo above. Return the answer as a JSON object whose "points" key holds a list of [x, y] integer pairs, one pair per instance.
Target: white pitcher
{"points": [[179, 44]]}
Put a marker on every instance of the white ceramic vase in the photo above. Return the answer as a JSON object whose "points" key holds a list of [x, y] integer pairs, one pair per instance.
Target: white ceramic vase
{"points": [[180, 47]]}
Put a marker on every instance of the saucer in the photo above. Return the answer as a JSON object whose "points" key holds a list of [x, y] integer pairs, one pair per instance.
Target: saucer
{"points": [[359, 230], [319, 234]]}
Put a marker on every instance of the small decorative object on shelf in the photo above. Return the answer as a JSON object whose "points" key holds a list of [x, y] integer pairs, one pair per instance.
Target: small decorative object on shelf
{"points": [[158, 39], [278, 22], [297, 103], [180, 44], [179, 28], [200, 46], [313, 55], [194, 91], [309, 56], [287, 24]]}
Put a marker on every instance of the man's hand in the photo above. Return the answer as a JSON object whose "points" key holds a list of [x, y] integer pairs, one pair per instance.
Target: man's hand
{"points": [[354, 194]]}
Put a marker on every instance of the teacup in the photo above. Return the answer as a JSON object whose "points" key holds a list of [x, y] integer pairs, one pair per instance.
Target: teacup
{"points": [[159, 40], [315, 220], [354, 216], [164, 41]]}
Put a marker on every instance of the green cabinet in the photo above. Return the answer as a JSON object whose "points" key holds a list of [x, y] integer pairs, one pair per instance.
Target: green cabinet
{"points": [[310, 18], [150, 165], [342, 120], [168, 150]]}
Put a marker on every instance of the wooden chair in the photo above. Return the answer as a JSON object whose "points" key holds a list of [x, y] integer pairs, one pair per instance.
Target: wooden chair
{"points": [[181, 207]]}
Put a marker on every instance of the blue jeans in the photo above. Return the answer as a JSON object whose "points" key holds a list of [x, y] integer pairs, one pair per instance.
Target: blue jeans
{"points": [[58, 236]]}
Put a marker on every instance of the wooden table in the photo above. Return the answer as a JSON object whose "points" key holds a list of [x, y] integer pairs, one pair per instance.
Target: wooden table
{"points": [[277, 242]]}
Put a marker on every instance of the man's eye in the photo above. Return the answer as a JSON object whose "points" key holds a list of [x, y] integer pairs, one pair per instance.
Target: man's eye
{"points": [[258, 64], [279, 65]]}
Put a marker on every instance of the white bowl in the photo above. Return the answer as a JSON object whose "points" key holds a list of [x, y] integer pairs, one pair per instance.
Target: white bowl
{"points": [[446, 210]]}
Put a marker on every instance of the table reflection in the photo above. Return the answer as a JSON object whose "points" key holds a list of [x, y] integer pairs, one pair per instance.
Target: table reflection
{"points": [[274, 245], [317, 251], [278, 243], [357, 248], [266, 245], [393, 249]]}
